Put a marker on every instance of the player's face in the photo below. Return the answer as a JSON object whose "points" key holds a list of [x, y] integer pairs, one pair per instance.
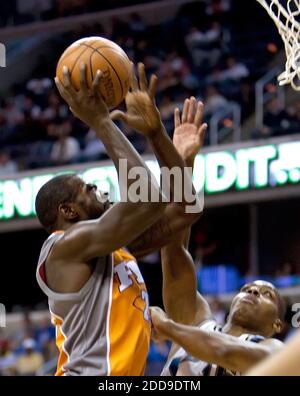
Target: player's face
{"points": [[92, 201], [255, 307]]}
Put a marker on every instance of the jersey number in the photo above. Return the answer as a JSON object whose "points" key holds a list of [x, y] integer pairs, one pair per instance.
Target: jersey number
{"points": [[124, 272]]}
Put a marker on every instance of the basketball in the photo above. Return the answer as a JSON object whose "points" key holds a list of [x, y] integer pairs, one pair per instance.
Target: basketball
{"points": [[105, 55]]}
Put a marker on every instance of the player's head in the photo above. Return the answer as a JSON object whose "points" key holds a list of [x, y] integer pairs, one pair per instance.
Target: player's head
{"points": [[259, 308], [66, 199]]}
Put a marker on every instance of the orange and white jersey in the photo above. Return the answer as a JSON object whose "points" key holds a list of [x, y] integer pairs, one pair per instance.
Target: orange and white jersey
{"points": [[104, 329]]}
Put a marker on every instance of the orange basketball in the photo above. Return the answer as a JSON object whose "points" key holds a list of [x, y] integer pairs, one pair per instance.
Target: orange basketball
{"points": [[105, 55]]}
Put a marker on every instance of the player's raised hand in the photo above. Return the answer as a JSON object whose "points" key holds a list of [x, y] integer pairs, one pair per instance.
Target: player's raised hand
{"points": [[142, 114], [189, 130], [85, 103]]}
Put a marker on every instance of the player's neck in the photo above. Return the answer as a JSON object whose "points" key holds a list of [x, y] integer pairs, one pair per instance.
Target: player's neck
{"points": [[235, 330], [62, 226]]}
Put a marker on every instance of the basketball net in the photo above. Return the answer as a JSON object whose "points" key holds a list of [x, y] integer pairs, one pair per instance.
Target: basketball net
{"points": [[284, 17]]}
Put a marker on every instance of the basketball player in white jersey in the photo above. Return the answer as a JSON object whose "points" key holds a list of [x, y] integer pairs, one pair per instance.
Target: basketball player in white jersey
{"points": [[200, 346]]}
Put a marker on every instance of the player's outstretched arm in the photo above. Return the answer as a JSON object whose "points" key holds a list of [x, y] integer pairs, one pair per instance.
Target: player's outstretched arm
{"points": [[181, 299], [224, 350], [142, 113], [176, 218], [285, 362], [89, 107], [125, 220]]}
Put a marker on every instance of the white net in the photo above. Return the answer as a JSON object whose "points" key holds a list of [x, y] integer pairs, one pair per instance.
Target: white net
{"points": [[285, 14]]}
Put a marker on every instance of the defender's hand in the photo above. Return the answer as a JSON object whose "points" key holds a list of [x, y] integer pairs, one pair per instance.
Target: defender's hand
{"points": [[142, 114], [189, 131], [159, 320], [86, 104]]}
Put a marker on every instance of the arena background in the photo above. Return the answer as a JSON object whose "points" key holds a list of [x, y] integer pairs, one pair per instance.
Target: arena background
{"points": [[249, 167]]}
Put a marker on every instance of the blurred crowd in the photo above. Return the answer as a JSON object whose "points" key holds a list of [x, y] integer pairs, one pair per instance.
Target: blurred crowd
{"points": [[31, 349], [278, 121], [26, 350], [200, 55], [17, 12]]}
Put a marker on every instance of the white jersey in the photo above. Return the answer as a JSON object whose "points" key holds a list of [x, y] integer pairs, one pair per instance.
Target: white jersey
{"points": [[179, 363]]}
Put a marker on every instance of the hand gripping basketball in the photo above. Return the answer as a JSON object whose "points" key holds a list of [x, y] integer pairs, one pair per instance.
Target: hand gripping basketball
{"points": [[85, 103]]}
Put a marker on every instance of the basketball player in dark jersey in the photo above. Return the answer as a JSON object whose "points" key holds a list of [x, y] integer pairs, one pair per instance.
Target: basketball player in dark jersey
{"points": [[200, 346], [97, 297]]}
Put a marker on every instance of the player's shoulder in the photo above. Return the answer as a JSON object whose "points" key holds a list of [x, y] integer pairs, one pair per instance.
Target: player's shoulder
{"points": [[209, 324], [52, 239], [57, 247], [67, 245], [272, 343]]}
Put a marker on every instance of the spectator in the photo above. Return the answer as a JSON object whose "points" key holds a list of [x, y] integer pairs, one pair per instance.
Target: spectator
{"points": [[246, 98], [152, 63], [30, 360], [12, 114], [45, 337], [234, 71], [276, 119], [204, 46], [169, 82], [177, 64], [216, 7], [166, 107], [136, 24], [26, 330], [214, 101], [55, 109], [186, 57], [30, 108], [8, 358], [7, 165], [66, 148], [94, 148], [39, 88]]}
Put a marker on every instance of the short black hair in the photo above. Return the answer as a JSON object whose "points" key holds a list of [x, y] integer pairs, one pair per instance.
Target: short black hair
{"points": [[56, 191]]}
